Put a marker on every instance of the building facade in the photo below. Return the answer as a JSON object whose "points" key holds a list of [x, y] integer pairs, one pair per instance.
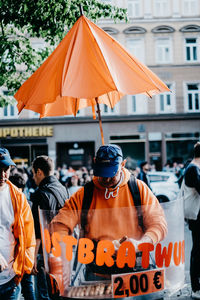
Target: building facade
{"points": [[165, 36]]}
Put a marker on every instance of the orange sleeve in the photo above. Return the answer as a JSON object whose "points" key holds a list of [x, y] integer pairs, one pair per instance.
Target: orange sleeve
{"points": [[69, 216]]}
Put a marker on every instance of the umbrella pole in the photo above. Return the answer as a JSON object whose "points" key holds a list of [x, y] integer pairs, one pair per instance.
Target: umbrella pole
{"points": [[100, 122]]}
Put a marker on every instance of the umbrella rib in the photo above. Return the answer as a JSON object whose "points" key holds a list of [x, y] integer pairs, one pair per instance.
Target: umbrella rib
{"points": [[148, 94], [109, 100], [76, 106]]}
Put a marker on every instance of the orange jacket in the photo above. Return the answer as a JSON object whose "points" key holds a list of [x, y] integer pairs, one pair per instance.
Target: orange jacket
{"points": [[115, 217], [24, 233]]}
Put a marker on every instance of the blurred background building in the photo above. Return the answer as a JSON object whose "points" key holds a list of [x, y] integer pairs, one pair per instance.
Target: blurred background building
{"points": [[165, 36]]}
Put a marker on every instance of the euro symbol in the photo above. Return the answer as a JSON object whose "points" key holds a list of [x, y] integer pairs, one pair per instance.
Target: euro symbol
{"points": [[156, 280]]}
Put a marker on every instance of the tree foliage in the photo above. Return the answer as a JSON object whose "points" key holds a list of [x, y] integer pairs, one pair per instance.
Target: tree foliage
{"points": [[47, 19]]}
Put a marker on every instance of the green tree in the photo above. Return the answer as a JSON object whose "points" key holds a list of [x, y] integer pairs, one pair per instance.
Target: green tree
{"points": [[48, 19]]}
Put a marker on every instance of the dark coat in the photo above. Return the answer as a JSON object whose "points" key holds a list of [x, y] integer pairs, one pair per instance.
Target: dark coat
{"points": [[50, 195]]}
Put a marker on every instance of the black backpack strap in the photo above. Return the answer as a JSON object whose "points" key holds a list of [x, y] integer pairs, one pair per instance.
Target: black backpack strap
{"points": [[132, 183], [86, 203], [87, 200]]}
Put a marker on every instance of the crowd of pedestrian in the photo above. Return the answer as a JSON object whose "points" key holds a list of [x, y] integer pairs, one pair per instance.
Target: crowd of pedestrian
{"points": [[73, 178]]}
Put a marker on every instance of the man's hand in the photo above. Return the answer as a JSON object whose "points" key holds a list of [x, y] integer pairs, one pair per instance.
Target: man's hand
{"points": [[116, 244], [144, 239], [34, 270], [3, 263]]}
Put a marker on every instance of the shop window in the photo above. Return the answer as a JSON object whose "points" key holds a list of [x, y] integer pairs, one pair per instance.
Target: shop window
{"points": [[190, 7], [179, 150], [193, 97], [191, 49], [163, 51]]}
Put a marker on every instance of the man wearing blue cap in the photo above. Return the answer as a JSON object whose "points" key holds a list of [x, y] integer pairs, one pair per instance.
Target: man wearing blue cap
{"points": [[17, 236], [113, 213]]}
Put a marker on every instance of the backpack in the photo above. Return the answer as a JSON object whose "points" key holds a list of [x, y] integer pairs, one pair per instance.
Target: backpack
{"points": [[87, 200], [191, 201]]}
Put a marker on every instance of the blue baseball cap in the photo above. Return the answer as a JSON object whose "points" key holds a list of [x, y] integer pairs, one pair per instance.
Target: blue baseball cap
{"points": [[107, 161], [5, 159]]}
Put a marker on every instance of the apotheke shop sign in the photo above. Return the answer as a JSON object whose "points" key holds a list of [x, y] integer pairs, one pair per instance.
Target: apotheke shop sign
{"points": [[27, 131]]}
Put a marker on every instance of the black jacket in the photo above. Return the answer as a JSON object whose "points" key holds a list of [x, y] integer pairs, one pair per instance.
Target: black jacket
{"points": [[145, 178], [192, 179], [50, 195]]}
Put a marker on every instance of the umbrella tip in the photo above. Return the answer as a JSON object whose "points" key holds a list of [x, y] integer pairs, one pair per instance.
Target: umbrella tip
{"points": [[81, 9]]}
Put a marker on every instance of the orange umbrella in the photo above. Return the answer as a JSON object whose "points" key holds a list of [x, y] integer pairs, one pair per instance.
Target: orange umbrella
{"points": [[87, 68]]}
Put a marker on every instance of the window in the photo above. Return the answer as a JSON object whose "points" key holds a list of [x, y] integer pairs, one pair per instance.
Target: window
{"points": [[137, 104], [190, 28], [191, 49], [106, 110], [133, 104], [10, 111], [193, 97], [136, 48], [134, 8], [165, 102], [37, 45], [80, 113], [161, 8], [110, 30], [163, 29], [163, 51], [190, 7], [134, 30]]}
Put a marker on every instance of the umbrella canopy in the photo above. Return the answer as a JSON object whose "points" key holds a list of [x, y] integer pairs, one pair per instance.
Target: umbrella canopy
{"points": [[86, 68]]}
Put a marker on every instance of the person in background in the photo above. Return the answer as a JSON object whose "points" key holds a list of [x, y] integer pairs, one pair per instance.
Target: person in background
{"points": [[50, 195], [175, 169], [27, 282], [143, 175], [166, 167], [73, 185], [20, 176], [17, 236], [192, 180]]}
